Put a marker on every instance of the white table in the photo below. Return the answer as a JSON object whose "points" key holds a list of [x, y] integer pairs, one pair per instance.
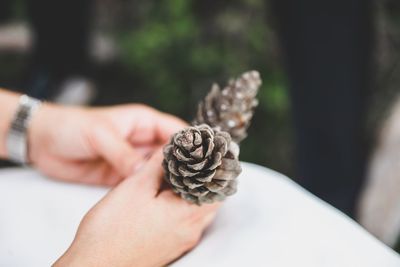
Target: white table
{"points": [[271, 221]]}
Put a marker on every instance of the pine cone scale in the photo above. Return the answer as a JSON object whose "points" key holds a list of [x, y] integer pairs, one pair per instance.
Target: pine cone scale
{"points": [[210, 147], [230, 165], [185, 172], [191, 184], [176, 181], [216, 161], [199, 192], [216, 185], [198, 166], [173, 168], [207, 177], [198, 153], [179, 154]]}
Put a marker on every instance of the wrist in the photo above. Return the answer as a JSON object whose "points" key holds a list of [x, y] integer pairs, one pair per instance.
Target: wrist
{"points": [[47, 134], [77, 256], [39, 136], [71, 260]]}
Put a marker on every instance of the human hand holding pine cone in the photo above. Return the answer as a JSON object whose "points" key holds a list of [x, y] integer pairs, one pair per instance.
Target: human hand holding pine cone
{"points": [[201, 164], [137, 225]]}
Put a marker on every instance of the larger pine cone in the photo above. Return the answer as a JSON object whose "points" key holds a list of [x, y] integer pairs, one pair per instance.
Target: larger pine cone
{"points": [[202, 164], [232, 108]]}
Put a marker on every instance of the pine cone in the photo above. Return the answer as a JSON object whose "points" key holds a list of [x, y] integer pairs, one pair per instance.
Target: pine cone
{"points": [[201, 164], [231, 109]]}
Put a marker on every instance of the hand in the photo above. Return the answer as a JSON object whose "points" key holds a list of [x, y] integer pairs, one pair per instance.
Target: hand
{"points": [[96, 145], [136, 225]]}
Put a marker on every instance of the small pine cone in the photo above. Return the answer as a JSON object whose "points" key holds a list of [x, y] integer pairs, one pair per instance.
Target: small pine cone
{"points": [[201, 164], [231, 109]]}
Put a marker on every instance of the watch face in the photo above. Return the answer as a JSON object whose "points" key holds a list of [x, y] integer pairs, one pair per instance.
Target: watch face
{"points": [[16, 139]]}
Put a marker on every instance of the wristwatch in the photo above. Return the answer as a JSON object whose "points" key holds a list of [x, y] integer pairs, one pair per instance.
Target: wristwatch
{"points": [[17, 142]]}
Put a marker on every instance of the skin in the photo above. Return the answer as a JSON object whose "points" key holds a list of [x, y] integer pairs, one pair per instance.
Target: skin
{"points": [[97, 145], [135, 224]]}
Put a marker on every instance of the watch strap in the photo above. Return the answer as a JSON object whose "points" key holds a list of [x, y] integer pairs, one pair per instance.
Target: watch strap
{"points": [[17, 141]]}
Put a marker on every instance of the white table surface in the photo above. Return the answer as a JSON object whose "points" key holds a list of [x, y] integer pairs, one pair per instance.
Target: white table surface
{"points": [[271, 221]]}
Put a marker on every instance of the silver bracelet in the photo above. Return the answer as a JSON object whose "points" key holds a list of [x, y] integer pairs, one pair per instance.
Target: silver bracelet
{"points": [[17, 141]]}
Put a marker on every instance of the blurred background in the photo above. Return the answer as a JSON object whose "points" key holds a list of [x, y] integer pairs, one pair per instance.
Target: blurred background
{"points": [[167, 54]]}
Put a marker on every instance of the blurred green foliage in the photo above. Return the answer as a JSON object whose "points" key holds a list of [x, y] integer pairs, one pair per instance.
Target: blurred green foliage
{"points": [[177, 48], [169, 54]]}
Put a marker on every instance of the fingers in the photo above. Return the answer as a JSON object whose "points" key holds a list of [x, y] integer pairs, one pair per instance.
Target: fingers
{"points": [[116, 150], [146, 150], [208, 219], [167, 125], [193, 219], [93, 173], [150, 176], [195, 212]]}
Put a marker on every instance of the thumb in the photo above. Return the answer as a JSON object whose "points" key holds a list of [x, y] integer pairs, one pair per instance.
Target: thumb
{"points": [[116, 150], [151, 175]]}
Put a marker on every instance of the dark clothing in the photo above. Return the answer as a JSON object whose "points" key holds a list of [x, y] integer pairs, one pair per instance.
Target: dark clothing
{"points": [[327, 47], [61, 42]]}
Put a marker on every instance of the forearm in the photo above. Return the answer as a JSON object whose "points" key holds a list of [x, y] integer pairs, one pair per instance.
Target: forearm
{"points": [[8, 106]]}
